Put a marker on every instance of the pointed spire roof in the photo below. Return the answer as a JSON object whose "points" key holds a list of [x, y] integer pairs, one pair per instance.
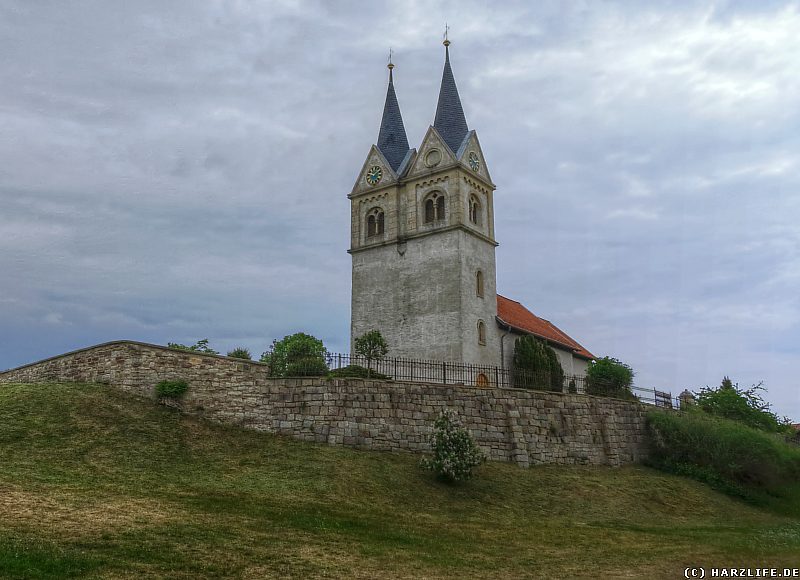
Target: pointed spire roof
{"points": [[392, 140], [450, 121]]}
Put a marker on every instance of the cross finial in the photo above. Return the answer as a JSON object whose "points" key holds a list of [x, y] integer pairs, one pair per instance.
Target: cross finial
{"points": [[390, 65], [446, 30]]}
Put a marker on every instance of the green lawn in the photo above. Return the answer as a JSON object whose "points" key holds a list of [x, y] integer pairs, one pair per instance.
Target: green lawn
{"points": [[94, 483]]}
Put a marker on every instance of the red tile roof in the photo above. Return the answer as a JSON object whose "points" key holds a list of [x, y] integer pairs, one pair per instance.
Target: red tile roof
{"points": [[514, 314]]}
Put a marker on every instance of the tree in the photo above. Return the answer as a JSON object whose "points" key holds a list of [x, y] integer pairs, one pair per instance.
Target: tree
{"points": [[610, 377], [455, 454], [296, 355], [556, 372], [372, 346], [199, 346], [743, 405], [536, 365]]}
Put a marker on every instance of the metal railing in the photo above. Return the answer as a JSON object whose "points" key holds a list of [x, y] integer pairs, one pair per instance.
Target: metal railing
{"points": [[450, 373]]}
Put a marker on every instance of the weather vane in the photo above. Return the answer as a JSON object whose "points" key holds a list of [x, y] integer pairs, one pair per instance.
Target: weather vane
{"points": [[446, 30], [390, 65]]}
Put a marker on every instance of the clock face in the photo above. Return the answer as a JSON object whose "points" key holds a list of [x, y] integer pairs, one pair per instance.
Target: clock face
{"points": [[374, 175], [473, 161]]}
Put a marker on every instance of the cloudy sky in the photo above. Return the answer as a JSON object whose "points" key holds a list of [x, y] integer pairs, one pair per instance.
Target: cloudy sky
{"points": [[177, 170]]}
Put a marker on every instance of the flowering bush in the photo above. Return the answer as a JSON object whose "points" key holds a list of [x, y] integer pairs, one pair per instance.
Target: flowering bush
{"points": [[455, 454]]}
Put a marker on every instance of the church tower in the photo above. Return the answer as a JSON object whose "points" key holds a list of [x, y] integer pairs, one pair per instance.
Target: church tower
{"points": [[422, 238]]}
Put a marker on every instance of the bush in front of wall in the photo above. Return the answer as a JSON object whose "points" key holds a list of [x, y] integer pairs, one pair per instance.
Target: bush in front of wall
{"points": [[455, 454], [171, 389]]}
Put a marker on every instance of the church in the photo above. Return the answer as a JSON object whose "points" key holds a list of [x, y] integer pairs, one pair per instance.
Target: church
{"points": [[422, 242]]}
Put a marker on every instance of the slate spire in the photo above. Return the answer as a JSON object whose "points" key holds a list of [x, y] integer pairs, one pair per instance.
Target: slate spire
{"points": [[392, 140], [450, 121]]}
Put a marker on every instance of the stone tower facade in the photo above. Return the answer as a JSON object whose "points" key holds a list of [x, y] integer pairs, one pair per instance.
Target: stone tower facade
{"points": [[422, 238]]}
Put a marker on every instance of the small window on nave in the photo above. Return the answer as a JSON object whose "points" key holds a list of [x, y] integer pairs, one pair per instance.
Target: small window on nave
{"points": [[481, 332]]}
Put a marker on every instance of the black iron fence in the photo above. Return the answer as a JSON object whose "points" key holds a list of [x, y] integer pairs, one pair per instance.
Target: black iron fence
{"points": [[449, 373]]}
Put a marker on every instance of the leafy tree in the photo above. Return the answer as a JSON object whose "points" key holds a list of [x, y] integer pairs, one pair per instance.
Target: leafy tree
{"points": [[743, 405], [610, 377], [455, 454], [199, 346], [536, 365], [372, 346], [296, 355], [240, 352]]}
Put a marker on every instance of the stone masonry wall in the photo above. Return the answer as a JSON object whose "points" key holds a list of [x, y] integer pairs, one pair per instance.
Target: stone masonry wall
{"points": [[526, 427]]}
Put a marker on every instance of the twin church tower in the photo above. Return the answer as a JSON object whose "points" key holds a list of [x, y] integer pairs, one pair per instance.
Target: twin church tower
{"points": [[422, 238]]}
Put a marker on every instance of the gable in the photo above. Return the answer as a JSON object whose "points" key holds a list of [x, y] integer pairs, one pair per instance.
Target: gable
{"points": [[471, 146], [374, 159], [433, 147]]}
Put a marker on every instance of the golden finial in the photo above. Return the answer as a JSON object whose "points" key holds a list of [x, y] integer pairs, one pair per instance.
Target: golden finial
{"points": [[390, 66], [446, 30]]}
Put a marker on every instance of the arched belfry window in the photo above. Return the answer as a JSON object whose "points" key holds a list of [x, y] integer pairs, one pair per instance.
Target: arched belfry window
{"points": [[474, 210], [479, 284], [375, 223], [481, 332], [434, 208]]}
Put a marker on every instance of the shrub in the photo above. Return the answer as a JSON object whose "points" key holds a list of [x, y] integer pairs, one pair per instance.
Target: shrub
{"points": [[296, 355], [536, 365], [171, 389], [743, 405], [726, 454], [610, 377], [200, 346], [240, 352], [358, 372], [455, 454]]}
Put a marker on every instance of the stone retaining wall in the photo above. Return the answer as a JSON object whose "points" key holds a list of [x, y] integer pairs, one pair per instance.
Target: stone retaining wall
{"points": [[526, 427]]}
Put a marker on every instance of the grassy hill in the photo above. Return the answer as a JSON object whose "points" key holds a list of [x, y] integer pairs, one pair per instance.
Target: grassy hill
{"points": [[94, 483]]}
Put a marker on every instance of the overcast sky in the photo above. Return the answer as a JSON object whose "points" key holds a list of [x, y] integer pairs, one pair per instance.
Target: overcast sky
{"points": [[171, 171]]}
